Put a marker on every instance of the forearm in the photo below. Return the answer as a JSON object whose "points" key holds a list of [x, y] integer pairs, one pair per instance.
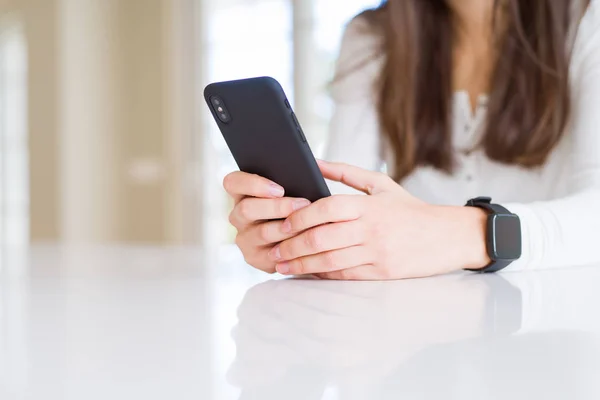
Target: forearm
{"points": [[559, 233]]}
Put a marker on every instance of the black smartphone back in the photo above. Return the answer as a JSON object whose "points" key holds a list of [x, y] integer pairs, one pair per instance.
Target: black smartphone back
{"points": [[264, 135]]}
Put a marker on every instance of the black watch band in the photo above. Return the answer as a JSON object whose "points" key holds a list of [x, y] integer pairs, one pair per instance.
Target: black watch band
{"points": [[494, 266], [486, 204]]}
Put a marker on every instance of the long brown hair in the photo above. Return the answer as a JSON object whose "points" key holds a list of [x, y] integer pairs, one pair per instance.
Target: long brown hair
{"points": [[529, 100]]}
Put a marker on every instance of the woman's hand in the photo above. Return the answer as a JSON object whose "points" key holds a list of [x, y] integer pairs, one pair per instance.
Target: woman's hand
{"points": [[386, 235], [258, 215]]}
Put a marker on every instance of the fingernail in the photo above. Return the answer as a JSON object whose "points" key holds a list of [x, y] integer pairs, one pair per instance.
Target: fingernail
{"points": [[286, 227], [275, 254], [283, 268], [300, 204], [276, 190]]}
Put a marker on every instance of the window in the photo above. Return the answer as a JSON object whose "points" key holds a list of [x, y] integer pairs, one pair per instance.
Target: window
{"points": [[14, 186]]}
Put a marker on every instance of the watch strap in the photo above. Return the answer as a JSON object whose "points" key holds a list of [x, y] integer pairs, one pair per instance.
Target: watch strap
{"points": [[486, 204], [494, 266]]}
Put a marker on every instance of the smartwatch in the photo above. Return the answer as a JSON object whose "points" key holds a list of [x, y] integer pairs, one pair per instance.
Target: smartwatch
{"points": [[503, 234]]}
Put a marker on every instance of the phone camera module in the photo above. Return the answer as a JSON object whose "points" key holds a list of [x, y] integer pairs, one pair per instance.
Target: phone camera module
{"points": [[220, 109]]}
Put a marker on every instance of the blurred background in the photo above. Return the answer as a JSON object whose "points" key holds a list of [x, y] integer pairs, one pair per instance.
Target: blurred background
{"points": [[104, 135]]}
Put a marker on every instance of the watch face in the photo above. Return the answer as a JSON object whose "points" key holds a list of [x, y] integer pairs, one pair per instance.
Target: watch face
{"points": [[506, 235]]}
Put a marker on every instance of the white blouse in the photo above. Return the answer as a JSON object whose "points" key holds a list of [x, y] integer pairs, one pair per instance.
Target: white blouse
{"points": [[559, 203]]}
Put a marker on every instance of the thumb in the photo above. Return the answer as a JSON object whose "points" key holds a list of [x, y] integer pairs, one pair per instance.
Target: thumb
{"points": [[368, 182]]}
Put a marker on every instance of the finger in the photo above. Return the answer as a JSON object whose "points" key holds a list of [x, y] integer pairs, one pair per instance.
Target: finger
{"points": [[252, 209], [327, 210], [319, 240], [257, 257], [329, 261], [366, 181], [241, 184], [360, 273], [266, 233]]}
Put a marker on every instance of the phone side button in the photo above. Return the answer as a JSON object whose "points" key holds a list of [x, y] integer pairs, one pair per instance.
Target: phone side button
{"points": [[298, 128], [295, 119], [301, 134]]}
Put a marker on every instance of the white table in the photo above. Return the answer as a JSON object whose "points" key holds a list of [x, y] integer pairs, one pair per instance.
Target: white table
{"points": [[135, 323]]}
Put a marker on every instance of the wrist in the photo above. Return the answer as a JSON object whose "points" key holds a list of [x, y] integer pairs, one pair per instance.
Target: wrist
{"points": [[467, 237]]}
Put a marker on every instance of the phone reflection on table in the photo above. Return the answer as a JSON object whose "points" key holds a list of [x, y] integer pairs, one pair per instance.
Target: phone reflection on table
{"points": [[452, 337]]}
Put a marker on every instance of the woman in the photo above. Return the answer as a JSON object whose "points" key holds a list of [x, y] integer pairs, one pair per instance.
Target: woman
{"points": [[459, 98]]}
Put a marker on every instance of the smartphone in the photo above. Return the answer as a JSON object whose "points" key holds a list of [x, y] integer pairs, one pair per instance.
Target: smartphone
{"points": [[264, 135]]}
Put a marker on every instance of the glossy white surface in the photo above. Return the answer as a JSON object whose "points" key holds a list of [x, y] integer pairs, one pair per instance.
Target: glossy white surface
{"points": [[119, 323]]}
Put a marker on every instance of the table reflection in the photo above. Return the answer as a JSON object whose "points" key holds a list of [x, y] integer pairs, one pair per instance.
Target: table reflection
{"points": [[458, 336]]}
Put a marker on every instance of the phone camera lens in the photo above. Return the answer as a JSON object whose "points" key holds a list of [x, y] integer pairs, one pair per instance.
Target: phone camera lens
{"points": [[220, 109]]}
